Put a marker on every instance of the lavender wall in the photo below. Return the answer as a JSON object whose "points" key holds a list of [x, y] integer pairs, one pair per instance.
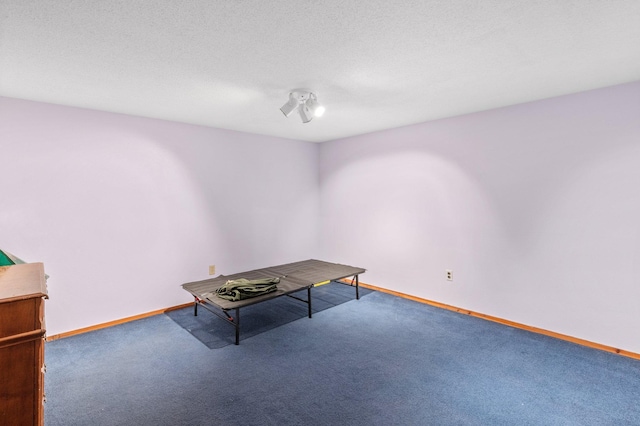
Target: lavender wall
{"points": [[122, 210], [535, 208]]}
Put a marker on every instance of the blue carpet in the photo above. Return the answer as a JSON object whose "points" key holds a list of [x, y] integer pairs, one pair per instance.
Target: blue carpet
{"points": [[381, 360], [255, 319]]}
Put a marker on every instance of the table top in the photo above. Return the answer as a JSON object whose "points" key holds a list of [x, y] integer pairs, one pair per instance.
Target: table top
{"points": [[293, 277], [22, 281]]}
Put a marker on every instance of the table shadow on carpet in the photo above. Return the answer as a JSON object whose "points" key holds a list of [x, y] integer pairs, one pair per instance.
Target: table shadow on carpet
{"points": [[256, 319]]}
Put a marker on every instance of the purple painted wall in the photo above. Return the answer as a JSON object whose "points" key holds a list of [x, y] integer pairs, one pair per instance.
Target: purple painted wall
{"points": [[535, 208], [122, 210]]}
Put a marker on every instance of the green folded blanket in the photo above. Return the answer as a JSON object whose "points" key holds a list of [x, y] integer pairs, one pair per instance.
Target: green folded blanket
{"points": [[243, 288]]}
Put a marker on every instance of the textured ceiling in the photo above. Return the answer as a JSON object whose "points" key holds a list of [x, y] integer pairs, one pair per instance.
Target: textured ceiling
{"points": [[375, 64]]}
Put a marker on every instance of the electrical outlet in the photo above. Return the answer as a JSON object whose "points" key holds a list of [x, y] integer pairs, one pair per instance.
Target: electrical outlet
{"points": [[449, 274], [212, 269]]}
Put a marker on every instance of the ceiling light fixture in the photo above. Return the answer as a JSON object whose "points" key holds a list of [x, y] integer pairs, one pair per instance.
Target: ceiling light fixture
{"points": [[306, 102]]}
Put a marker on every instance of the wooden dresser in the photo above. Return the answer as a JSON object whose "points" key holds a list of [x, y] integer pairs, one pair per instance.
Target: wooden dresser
{"points": [[22, 292]]}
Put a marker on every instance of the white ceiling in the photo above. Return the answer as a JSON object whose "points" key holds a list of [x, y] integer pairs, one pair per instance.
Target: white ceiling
{"points": [[375, 64]]}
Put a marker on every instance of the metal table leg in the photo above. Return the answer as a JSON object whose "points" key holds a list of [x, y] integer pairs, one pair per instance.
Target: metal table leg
{"points": [[237, 324]]}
